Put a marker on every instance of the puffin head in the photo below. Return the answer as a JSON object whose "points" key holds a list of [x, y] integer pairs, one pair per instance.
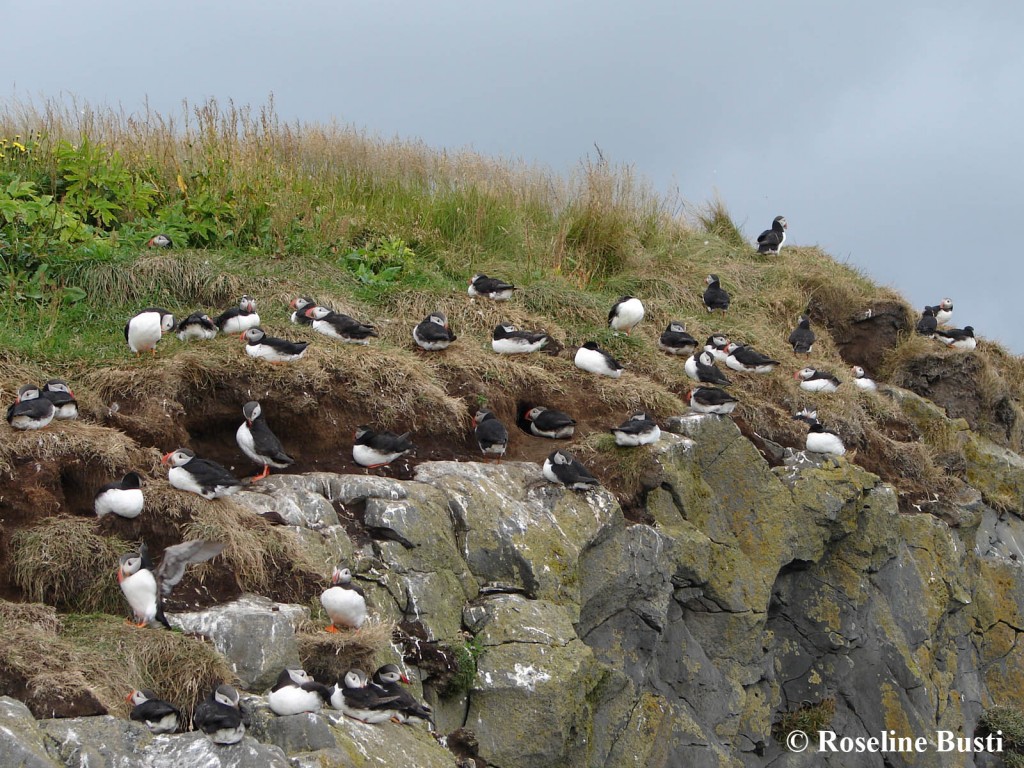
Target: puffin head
{"points": [[130, 564], [316, 313], [247, 304], [341, 575], [226, 695], [178, 458], [253, 335], [389, 673], [251, 411], [356, 678]]}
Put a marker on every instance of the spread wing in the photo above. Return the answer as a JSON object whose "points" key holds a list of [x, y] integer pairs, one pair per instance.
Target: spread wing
{"points": [[176, 558]]}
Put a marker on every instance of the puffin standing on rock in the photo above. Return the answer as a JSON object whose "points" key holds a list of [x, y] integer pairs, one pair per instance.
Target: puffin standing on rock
{"points": [[144, 330], [240, 318], [388, 679], [221, 717], [625, 314], [711, 400], [271, 349], [343, 601], [198, 325], [340, 326], [593, 359], [200, 476], [375, 449], [771, 240], [30, 410], [432, 333], [259, 443], [362, 701], [562, 467], [491, 435], [819, 439], [145, 588], [546, 422], [676, 341], [159, 716], [296, 692], [638, 429], [123, 498], [490, 288]]}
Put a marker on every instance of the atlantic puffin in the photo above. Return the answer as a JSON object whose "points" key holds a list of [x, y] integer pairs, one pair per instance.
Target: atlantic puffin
{"points": [[701, 368], [389, 679], [547, 422], [30, 410], [711, 400], [819, 439], [240, 318], [361, 700], [271, 349], [746, 359], [562, 467], [638, 429], [340, 326], [300, 304], [771, 240], [715, 297], [717, 344], [160, 241], [927, 325], [593, 359], [145, 588], [123, 498], [375, 449], [221, 716], [344, 602], [861, 380], [59, 393], [491, 435], [158, 716], [433, 333], [509, 340], [814, 380], [198, 325], [943, 311], [958, 338], [296, 692], [676, 341], [802, 337], [144, 330], [200, 476], [490, 288], [625, 314], [259, 443]]}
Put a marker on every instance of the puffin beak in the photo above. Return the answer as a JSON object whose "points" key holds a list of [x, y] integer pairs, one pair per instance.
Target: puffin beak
{"points": [[796, 375], [242, 335], [405, 680], [120, 574], [292, 303], [128, 698], [166, 457]]}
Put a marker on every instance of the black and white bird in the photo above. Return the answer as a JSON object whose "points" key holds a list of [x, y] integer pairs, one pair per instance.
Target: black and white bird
{"points": [[433, 333], [509, 340], [157, 715], [198, 325], [375, 449], [144, 330], [389, 679], [676, 341], [59, 393], [239, 319], [160, 241], [593, 359], [546, 422], [711, 400], [715, 297], [259, 443], [491, 435], [340, 326], [819, 439], [272, 349], [199, 476], [29, 410], [296, 692], [638, 429], [771, 240], [802, 337], [490, 288], [625, 314], [123, 498], [221, 717], [300, 304], [943, 311], [343, 601], [927, 325], [562, 467], [861, 380], [717, 344], [701, 368], [745, 359], [815, 380], [145, 587], [363, 701], [957, 338]]}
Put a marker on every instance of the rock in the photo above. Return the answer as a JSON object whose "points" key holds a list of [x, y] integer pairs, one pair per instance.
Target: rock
{"points": [[96, 742], [296, 506], [196, 751], [255, 635], [388, 745], [306, 732], [22, 743]]}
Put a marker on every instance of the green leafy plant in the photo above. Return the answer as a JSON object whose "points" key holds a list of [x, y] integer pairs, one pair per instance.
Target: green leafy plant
{"points": [[381, 263]]}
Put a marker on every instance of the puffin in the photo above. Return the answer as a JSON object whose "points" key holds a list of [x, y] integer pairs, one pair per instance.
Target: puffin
{"points": [[343, 601], [958, 338], [927, 325], [240, 318], [819, 439], [198, 325], [145, 588], [259, 443], [340, 326], [388, 679], [221, 717], [144, 330], [746, 359], [509, 340], [491, 435], [160, 241], [814, 380], [943, 311], [711, 400], [676, 341], [716, 345], [593, 359], [123, 498], [715, 297], [200, 476], [546, 422], [625, 314], [375, 449], [59, 393], [638, 429], [362, 701], [296, 692], [771, 240], [433, 333], [271, 349], [802, 337], [490, 288], [562, 467], [861, 380], [701, 368], [30, 410], [301, 304], [158, 715]]}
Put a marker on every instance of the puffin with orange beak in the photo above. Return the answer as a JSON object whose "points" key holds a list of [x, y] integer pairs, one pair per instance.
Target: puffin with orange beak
{"points": [[145, 587], [259, 443], [239, 319], [200, 476]]}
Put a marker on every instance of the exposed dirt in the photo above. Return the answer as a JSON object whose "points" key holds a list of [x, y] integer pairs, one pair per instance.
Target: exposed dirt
{"points": [[864, 335]]}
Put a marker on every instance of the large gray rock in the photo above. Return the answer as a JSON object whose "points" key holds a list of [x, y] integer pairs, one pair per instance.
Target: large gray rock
{"points": [[22, 743], [97, 742], [194, 750]]}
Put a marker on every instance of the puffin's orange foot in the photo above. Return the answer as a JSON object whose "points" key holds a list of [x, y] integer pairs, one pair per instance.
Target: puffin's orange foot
{"points": [[330, 628], [395, 720], [263, 474]]}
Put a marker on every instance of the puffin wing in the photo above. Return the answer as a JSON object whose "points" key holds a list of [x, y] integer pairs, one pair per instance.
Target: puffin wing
{"points": [[153, 710], [266, 443], [176, 558], [431, 331]]}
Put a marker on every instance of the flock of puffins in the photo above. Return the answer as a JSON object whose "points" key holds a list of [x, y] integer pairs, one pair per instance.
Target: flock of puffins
{"points": [[381, 697]]}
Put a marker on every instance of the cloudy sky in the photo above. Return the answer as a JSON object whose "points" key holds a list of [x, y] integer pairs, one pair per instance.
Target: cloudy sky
{"points": [[888, 133]]}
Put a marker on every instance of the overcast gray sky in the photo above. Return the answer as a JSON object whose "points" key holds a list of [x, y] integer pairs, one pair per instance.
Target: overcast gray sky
{"points": [[888, 133]]}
